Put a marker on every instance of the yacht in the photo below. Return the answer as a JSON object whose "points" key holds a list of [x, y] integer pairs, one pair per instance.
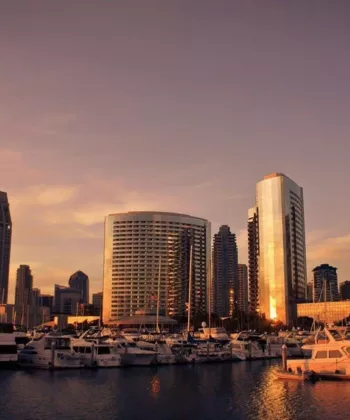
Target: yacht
{"points": [[8, 346], [131, 355], [96, 355], [164, 355], [330, 355], [49, 352]]}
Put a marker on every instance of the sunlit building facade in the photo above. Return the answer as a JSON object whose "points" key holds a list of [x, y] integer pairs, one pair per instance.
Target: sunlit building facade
{"points": [[329, 312], [242, 288], [144, 249], [282, 257], [5, 246]]}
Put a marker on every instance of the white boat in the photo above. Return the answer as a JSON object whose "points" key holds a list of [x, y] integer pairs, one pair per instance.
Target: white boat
{"points": [[49, 352], [8, 346], [164, 355], [130, 354], [330, 356], [96, 355]]}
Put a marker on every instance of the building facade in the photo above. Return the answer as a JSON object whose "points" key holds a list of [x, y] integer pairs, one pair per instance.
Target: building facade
{"points": [[80, 281], [325, 283], [67, 300], [345, 290], [326, 312], [282, 257], [23, 295], [144, 249], [225, 272], [253, 259], [5, 246], [242, 291], [97, 299], [310, 292]]}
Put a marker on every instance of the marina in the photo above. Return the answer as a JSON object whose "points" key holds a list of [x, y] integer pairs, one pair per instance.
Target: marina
{"points": [[240, 391]]}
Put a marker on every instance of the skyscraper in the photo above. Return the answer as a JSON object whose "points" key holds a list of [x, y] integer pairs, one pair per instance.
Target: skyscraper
{"points": [[253, 259], [242, 292], [142, 247], [97, 301], [281, 257], [67, 300], [345, 290], [310, 291], [325, 283], [5, 246], [225, 272], [80, 281], [23, 295]]}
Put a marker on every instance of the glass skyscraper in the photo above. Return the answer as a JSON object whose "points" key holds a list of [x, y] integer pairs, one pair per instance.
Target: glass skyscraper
{"points": [[5, 246], [282, 257], [140, 248]]}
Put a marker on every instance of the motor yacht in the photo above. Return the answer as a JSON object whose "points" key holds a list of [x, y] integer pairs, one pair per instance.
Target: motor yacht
{"points": [[96, 355], [8, 346], [330, 355], [164, 355], [130, 354], [49, 352]]}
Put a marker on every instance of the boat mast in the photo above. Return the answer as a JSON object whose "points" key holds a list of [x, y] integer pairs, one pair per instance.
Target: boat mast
{"points": [[189, 292], [158, 296]]}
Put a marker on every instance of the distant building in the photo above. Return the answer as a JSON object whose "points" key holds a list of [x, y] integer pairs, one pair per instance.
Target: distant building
{"points": [[36, 297], [46, 301], [67, 300], [253, 259], [80, 281], [281, 256], [310, 292], [139, 248], [5, 246], [225, 272], [325, 283], [242, 293], [7, 312], [345, 290], [23, 295], [97, 301]]}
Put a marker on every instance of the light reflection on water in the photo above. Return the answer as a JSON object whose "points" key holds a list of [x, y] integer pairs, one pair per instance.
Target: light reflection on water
{"points": [[246, 390]]}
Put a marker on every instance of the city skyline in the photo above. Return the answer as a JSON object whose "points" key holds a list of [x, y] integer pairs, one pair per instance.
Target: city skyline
{"points": [[156, 123]]}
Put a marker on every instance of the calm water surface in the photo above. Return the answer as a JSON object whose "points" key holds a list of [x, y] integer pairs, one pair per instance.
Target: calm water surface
{"points": [[246, 390]]}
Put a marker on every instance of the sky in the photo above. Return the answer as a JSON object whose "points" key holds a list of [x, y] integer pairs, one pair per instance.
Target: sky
{"points": [[171, 105]]}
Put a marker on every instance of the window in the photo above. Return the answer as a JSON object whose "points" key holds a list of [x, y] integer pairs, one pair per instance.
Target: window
{"points": [[335, 354], [321, 354]]}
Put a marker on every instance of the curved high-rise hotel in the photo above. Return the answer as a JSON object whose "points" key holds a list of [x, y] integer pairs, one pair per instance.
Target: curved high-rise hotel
{"points": [[144, 249], [277, 257]]}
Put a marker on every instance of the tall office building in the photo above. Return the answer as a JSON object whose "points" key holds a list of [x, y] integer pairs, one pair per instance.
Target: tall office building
{"points": [[5, 246], [80, 281], [242, 291], [281, 255], [225, 272], [67, 300], [97, 301], [325, 283], [310, 292], [23, 295], [253, 259], [144, 247], [345, 290]]}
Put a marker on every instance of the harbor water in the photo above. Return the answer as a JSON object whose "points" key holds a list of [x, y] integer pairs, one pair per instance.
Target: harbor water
{"points": [[246, 390]]}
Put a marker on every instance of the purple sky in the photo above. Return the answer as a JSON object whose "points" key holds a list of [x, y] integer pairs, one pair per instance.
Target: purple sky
{"points": [[111, 106]]}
